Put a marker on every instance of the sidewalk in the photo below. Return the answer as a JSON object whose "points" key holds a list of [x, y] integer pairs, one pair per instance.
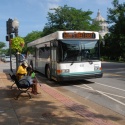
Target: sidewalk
{"points": [[50, 107]]}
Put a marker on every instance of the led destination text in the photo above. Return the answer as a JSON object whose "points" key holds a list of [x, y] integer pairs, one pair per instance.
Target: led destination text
{"points": [[79, 35]]}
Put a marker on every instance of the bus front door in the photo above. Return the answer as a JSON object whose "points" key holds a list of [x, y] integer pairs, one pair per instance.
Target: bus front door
{"points": [[53, 63]]}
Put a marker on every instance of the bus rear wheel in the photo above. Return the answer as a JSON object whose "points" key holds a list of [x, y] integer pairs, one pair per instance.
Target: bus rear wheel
{"points": [[48, 73]]}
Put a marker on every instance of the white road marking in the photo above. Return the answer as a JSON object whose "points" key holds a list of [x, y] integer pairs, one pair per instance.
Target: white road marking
{"points": [[89, 87], [110, 86], [114, 95], [84, 87], [104, 93], [111, 98]]}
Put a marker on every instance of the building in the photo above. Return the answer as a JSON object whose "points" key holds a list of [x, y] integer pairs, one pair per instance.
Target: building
{"points": [[103, 24]]}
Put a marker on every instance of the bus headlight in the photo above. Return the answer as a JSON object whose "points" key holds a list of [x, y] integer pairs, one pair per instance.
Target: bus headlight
{"points": [[62, 71]]}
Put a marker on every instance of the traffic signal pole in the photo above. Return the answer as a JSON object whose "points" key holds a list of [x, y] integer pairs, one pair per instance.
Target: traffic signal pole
{"points": [[8, 38], [12, 27], [11, 69]]}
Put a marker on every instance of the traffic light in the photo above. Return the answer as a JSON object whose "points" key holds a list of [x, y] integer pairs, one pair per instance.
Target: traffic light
{"points": [[9, 37], [9, 26]]}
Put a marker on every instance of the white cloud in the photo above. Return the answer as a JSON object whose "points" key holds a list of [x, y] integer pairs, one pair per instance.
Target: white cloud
{"points": [[52, 5], [43, 5], [103, 2]]}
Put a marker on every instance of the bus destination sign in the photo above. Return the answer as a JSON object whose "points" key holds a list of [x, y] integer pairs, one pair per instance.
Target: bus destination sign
{"points": [[78, 35]]}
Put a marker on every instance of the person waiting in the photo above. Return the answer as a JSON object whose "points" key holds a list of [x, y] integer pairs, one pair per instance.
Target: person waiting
{"points": [[32, 80], [22, 70]]}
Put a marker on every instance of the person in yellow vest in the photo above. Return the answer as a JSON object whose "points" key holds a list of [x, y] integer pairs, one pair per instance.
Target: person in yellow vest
{"points": [[22, 70]]}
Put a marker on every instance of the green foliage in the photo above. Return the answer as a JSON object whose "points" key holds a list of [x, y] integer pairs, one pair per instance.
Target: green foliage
{"points": [[115, 41], [33, 36], [104, 58], [121, 59], [3, 51], [17, 44], [69, 18], [2, 44], [6, 51], [30, 37]]}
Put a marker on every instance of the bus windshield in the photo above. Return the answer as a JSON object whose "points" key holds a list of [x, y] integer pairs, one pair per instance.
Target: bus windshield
{"points": [[78, 50]]}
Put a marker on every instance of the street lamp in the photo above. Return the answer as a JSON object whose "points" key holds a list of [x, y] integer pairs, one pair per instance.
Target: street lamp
{"points": [[12, 27], [15, 25]]}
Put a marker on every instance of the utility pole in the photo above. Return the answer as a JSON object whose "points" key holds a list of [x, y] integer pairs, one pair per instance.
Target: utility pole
{"points": [[15, 25], [9, 37], [12, 27]]}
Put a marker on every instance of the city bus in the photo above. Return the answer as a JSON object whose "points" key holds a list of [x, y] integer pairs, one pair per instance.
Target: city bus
{"points": [[67, 55]]}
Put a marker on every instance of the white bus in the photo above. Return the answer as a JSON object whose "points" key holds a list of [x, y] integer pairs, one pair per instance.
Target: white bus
{"points": [[67, 55]]}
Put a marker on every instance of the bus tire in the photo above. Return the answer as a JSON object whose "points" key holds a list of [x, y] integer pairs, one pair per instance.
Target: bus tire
{"points": [[48, 73]]}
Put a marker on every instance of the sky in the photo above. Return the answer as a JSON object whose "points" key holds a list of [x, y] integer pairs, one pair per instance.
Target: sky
{"points": [[32, 14]]}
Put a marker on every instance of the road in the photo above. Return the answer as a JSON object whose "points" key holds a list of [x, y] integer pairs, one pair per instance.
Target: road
{"points": [[6, 66], [108, 91]]}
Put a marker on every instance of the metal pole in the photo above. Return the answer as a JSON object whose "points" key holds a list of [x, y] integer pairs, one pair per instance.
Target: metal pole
{"points": [[17, 60], [16, 32], [10, 56], [17, 54]]}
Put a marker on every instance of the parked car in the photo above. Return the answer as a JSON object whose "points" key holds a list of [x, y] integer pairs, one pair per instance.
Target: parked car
{"points": [[2, 57], [6, 59]]}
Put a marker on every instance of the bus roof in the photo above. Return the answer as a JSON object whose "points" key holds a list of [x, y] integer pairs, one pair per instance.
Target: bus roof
{"points": [[70, 35]]}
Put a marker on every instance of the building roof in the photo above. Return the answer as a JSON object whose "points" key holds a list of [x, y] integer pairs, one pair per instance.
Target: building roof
{"points": [[99, 17]]}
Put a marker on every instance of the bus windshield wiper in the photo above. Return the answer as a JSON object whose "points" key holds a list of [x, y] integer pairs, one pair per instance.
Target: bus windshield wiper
{"points": [[90, 61], [72, 63]]}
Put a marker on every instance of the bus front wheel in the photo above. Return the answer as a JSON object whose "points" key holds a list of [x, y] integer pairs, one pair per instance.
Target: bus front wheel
{"points": [[48, 73]]}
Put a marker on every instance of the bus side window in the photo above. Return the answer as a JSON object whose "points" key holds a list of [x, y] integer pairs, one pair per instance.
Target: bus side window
{"points": [[44, 52]]}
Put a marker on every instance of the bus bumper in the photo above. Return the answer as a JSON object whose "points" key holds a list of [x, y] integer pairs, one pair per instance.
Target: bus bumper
{"points": [[79, 77]]}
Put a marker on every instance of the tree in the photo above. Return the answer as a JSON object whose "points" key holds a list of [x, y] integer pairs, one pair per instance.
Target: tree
{"points": [[116, 16], [29, 38], [69, 18], [2, 44], [6, 51], [33, 36]]}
